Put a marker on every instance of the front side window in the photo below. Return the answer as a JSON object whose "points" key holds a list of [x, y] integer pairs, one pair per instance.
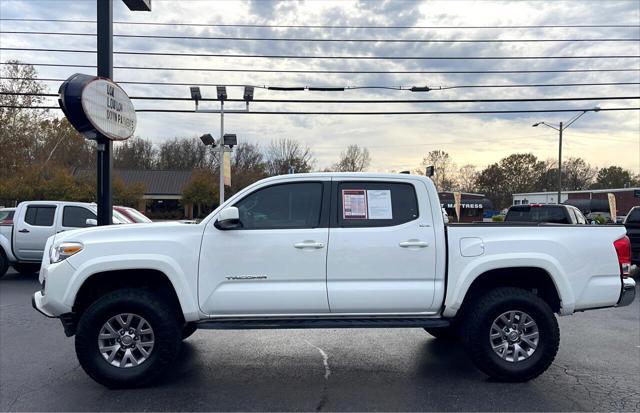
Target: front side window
{"points": [[376, 204], [76, 217], [40, 215], [295, 205]]}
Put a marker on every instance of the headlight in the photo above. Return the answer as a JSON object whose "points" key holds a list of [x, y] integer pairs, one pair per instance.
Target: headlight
{"points": [[64, 250]]}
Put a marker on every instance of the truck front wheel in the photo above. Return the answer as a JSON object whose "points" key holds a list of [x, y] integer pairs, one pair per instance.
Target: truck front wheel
{"points": [[511, 334], [4, 263], [127, 338]]}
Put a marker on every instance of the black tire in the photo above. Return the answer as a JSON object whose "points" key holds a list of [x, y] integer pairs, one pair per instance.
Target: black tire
{"points": [[188, 330], [162, 318], [4, 263], [444, 333], [26, 268], [477, 326]]}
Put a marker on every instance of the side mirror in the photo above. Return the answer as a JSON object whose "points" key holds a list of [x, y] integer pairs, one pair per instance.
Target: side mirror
{"points": [[91, 222], [228, 218]]}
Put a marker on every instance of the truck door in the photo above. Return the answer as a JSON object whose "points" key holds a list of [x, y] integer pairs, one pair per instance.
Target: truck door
{"points": [[32, 230], [276, 262], [382, 257]]}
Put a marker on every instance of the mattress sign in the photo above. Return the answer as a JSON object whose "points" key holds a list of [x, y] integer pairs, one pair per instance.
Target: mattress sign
{"points": [[97, 105]]}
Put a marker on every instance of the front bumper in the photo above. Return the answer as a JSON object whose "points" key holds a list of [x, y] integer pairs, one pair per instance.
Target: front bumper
{"points": [[36, 303], [628, 293]]}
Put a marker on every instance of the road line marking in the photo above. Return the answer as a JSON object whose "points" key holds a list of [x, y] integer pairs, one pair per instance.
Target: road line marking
{"points": [[325, 360]]}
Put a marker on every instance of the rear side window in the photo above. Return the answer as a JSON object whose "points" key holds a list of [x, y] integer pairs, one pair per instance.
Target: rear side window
{"points": [[547, 213], [40, 215], [295, 205], [76, 217], [376, 204]]}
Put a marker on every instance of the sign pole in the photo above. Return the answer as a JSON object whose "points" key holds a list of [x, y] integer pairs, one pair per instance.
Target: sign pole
{"points": [[104, 145]]}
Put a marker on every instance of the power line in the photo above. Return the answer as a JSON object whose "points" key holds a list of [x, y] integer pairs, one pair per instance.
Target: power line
{"points": [[187, 99], [300, 88], [550, 26], [285, 56], [354, 113], [191, 69], [323, 40]]}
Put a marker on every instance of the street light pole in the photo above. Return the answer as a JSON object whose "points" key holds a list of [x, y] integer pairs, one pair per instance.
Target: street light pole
{"points": [[560, 128], [560, 163]]}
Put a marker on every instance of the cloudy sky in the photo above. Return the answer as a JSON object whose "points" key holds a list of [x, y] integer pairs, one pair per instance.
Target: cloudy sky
{"points": [[396, 142]]}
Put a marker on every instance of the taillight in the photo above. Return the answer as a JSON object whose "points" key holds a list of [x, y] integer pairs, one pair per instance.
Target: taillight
{"points": [[623, 249]]}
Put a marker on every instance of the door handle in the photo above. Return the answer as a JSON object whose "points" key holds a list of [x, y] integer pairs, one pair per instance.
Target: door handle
{"points": [[24, 231], [414, 243], [309, 244]]}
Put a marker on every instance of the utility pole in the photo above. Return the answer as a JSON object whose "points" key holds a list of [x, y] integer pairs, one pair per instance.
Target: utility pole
{"points": [[221, 152], [104, 144]]}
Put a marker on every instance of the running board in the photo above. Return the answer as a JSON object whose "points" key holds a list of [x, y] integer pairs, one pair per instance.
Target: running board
{"points": [[291, 323]]}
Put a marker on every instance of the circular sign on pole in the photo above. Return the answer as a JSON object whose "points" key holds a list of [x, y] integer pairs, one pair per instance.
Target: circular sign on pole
{"points": [[97, 105]]}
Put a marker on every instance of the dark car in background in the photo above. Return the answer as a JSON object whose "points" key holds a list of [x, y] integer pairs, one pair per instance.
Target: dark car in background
{"points": [[632, 223], [551, 213]]}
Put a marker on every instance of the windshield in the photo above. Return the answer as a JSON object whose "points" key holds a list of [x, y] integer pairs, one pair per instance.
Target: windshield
{"points": [[546, 213], [137, 215]]}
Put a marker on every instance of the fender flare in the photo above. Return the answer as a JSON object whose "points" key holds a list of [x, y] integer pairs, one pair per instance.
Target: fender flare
{"points": [[457, 293], [162, 263]]}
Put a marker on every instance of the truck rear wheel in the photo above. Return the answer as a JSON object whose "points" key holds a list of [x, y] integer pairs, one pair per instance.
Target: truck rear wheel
{"points": [[511, 334], [4, 263], [127, 338]]}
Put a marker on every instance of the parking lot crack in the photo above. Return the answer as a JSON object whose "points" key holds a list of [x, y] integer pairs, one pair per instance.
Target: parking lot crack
{"points": [[327, 372]]}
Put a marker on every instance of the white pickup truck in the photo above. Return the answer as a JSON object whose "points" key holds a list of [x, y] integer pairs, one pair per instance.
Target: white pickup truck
{"points": [[328, 250], [22, 242]]}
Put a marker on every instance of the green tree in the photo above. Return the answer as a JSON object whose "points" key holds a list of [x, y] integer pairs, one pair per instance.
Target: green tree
{"points": [[613, 177], [201, 191], [127, 195]]}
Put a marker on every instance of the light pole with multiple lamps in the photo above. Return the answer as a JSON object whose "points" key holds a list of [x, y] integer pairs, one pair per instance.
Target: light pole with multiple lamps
{"points": [[560, 128], [226, 140]]}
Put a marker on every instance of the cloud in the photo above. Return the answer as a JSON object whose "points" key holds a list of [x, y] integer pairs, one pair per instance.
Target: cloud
{"points": [[395, 142]]}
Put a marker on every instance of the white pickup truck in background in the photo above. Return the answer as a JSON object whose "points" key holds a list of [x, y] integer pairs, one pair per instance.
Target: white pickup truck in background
{"points": [[328, 250], [22, 242]]}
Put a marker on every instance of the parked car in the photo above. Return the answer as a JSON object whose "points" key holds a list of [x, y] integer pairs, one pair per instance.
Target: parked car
{"points": [[6, 216], [632, 224], [551, 213], [328, 250], [133, 214], [22, 244]]}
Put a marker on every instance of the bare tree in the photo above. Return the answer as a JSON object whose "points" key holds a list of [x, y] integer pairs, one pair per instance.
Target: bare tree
{"points": [[20, 137], [286, 153], [135, 153], [354, 159], [466, 178], [444, 169], [185, 154], [247, 166]]}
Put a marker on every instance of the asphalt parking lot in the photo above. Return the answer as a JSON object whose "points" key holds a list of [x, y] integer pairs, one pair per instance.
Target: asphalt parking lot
{"points": [[597, 368]]}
